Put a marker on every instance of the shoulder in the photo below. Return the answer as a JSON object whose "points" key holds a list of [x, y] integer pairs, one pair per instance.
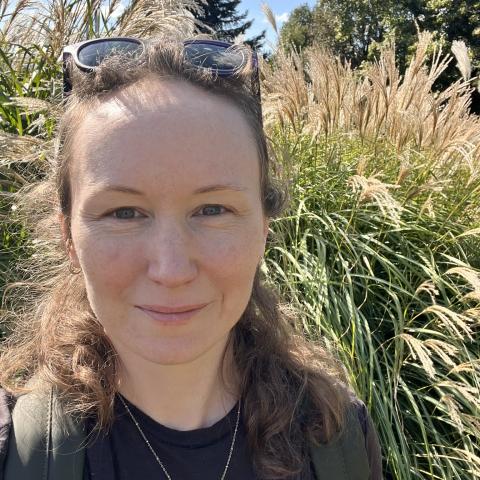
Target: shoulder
{"points": [[354, 452], [39, 436], [370, 437]]}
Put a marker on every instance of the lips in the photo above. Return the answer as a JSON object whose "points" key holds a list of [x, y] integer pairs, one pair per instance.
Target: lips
{"points": [[171, 315], [178, 309]]}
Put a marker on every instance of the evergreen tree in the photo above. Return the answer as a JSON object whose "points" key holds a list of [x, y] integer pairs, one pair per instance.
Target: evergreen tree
{"points": [[223, 18]]}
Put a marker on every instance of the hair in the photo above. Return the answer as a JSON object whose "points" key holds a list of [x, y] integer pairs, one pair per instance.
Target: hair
{"points": [[293, 389]]}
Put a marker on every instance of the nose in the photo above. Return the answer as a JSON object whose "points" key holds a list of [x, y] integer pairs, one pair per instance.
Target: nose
{"points": [[171, 259]]}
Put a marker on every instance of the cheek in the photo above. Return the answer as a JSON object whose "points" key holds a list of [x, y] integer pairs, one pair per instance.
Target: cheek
{"points": [[238, 251], [108, 264]]}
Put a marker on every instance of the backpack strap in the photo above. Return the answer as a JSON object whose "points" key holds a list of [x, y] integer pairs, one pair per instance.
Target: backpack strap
{"points": [[44, 444], [345, 457]]}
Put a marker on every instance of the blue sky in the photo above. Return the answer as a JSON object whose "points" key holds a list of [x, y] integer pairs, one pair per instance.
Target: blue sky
{"points": [[281, 9]]}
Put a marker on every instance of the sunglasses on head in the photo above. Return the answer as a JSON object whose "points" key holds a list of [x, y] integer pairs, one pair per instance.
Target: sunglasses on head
{"points": [[222, 58]]}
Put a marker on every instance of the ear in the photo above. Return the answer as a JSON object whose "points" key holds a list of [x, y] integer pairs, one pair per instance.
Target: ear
{"points": [[67, 240]]}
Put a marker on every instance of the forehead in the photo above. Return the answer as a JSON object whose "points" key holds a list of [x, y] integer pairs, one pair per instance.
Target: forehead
{"points": [[164, 129]]}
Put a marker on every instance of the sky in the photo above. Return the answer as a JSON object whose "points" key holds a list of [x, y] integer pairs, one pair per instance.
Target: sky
{"points": [[281, 9]]}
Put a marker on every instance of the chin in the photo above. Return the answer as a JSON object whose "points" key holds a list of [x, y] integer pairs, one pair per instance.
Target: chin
{"points": [[177, 353]]}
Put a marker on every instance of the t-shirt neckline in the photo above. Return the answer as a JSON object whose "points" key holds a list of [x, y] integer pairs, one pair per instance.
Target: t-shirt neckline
{"points": [[195, 438]]}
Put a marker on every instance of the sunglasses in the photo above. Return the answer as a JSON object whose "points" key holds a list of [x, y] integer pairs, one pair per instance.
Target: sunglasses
{"points": [[222, 58]]}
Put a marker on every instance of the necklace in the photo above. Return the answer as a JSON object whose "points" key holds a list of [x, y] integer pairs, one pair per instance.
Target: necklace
{"points": [[162, 466]]}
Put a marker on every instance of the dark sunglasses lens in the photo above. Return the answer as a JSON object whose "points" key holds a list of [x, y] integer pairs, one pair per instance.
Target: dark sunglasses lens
{"points": [[216, 57], [93, 54]]}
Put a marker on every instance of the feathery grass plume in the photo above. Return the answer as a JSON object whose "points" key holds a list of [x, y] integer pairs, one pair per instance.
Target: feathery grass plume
{"points": [[270, 16], [473, 282], [9, 14], [472, 232], [402, 114], [460, 51], [420, 352], [332, 83], [285, 94], [15, 149], [29, 105], [373, 190], [148, 18]]}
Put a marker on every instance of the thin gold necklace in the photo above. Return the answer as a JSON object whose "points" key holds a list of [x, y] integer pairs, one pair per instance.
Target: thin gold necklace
{"points": [[155, 454]]}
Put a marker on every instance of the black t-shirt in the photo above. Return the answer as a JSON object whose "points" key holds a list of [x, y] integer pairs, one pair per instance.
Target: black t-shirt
{"points": [[122, 454], [201, 454]]}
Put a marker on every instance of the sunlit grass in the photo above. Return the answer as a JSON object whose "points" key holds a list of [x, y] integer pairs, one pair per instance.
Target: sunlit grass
{"points": [[394, 288]]}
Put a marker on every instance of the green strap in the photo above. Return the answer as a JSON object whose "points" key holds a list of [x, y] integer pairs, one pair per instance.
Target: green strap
{"points": [[345, 457], [44, 444]]}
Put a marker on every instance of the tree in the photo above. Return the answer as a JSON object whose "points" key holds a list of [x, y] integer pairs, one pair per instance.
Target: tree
{"points": [[454, 20], [349, 28], [222, 17], [298, 30], [354, 30]]}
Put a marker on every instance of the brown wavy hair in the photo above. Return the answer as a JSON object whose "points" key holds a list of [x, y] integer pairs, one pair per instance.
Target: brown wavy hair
{"points": [[293, 390]]}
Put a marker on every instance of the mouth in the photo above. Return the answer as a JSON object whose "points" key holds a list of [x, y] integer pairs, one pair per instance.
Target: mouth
{"points": [[172, 315]]}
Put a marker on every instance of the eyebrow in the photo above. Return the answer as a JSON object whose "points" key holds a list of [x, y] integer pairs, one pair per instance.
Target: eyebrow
{"points": [[219, 188], [206, 189]]}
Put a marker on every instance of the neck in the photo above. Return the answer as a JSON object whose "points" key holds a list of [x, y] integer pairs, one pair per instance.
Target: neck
{"points": [[183, 396]]}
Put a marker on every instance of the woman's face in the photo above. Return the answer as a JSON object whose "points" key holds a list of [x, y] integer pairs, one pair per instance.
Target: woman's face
{"points": [[166, 214]]}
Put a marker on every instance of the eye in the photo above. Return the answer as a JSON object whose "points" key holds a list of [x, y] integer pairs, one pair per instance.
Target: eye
{"points": [[213, 210], [124, 213]]}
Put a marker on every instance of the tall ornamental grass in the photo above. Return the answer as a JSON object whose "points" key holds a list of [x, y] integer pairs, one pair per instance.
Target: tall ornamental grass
{"points": [[380, 249]]}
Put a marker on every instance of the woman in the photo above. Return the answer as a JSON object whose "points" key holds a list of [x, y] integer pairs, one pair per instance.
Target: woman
{"points": [[152, 336]]}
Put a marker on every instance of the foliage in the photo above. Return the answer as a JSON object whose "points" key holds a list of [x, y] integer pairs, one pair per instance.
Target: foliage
{"points": [[299, 30], [356, 30], [222, 17], [379, 250], [453, 20], [349, 28]]}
